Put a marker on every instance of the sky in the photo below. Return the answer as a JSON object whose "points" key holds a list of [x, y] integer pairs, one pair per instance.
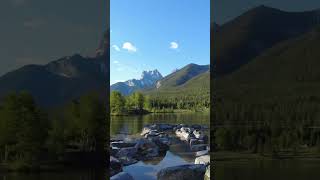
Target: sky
{"points": [[40, 31], [225, 10], [157, 34]]}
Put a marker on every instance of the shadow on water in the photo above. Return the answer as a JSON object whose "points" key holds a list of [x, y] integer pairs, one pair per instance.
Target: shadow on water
{"points": [[268, 169], [84, 174]]}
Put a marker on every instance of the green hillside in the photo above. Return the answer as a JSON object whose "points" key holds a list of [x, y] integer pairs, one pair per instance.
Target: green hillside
{"points": [[271, 105], [188, 88]]}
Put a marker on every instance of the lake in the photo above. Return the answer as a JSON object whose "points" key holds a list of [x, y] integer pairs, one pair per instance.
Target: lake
{"points": [[267, 169], [178, 154], [67, 175]]}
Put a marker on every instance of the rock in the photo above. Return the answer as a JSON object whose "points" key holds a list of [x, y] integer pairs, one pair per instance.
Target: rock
{"points": [[183, 172], [122, 176], [162, 143], [195, 142], [127, 152], [122, 144], [201, 153], [205, 139], [145, 131], [114, 151], [207, 174], [199, 147], [202, 160], [186, 135], [152, 133], [198, 134], [147, 148], [178, 133], [126, 161], [164, 127], [186, 129], [115, 166]]}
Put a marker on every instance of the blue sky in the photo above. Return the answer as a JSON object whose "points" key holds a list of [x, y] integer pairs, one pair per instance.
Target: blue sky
{"points": [[157, 34]]}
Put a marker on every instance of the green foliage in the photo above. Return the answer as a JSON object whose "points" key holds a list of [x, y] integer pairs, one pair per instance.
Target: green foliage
{"points": [[27, 137], [117, 103], [23, 128]]}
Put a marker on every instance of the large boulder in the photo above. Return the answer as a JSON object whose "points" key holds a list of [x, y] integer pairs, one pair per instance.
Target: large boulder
{"points": [[122, 144], [122, 176], [114, 151], [127, 156], [201, 153], [147, 148], [205, 139], [194, 141], [183, 172], [145, 131], [202, 160], [163, 144], [128, 152], [152, 133], [198, 134], [199, 147]]}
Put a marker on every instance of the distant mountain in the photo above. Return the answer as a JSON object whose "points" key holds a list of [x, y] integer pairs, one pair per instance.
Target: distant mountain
{"points": [[239, 41], [189, 83], [148, 80], [181, 76], [62, 80], [295, 61]]}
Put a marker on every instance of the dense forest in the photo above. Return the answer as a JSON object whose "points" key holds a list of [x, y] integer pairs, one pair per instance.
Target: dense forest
{"points": [[139, 103], [31, 136], [268, 128]]}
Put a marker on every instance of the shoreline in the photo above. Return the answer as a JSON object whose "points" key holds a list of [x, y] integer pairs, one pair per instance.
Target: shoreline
{"points": [[225, 156], [160, 112]]}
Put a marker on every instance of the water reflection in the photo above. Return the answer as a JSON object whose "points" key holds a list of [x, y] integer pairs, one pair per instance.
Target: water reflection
{"points": [[134, 124], [148, 170], [178, 154], [268, 169], [84, 174]]}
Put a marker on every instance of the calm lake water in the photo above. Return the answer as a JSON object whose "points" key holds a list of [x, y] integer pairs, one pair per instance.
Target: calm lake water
{"points": [[178, 154], [74, 175], [267, 170]]}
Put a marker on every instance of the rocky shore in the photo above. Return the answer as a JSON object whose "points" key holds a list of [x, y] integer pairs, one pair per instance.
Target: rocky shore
{"points": [[153, 142]]}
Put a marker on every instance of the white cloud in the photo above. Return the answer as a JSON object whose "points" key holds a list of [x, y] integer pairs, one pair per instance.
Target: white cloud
{"points": [[129, 46], [174, 45], [120, 69], [115, 47], [116, 62]]}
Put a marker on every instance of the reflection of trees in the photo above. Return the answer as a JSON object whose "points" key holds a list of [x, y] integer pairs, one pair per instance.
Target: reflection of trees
{"points": [[134, 124]]}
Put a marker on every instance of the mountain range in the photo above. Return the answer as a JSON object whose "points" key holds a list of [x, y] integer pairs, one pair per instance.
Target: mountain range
{"points": [[152, 82], [61, 80], [267, 53], [242, 39], [148, 80], [264, 49]]}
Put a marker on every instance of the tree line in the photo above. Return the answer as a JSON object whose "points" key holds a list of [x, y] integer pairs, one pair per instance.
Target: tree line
{"points": [[30, 135], [268, 127], [139, 103]]}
